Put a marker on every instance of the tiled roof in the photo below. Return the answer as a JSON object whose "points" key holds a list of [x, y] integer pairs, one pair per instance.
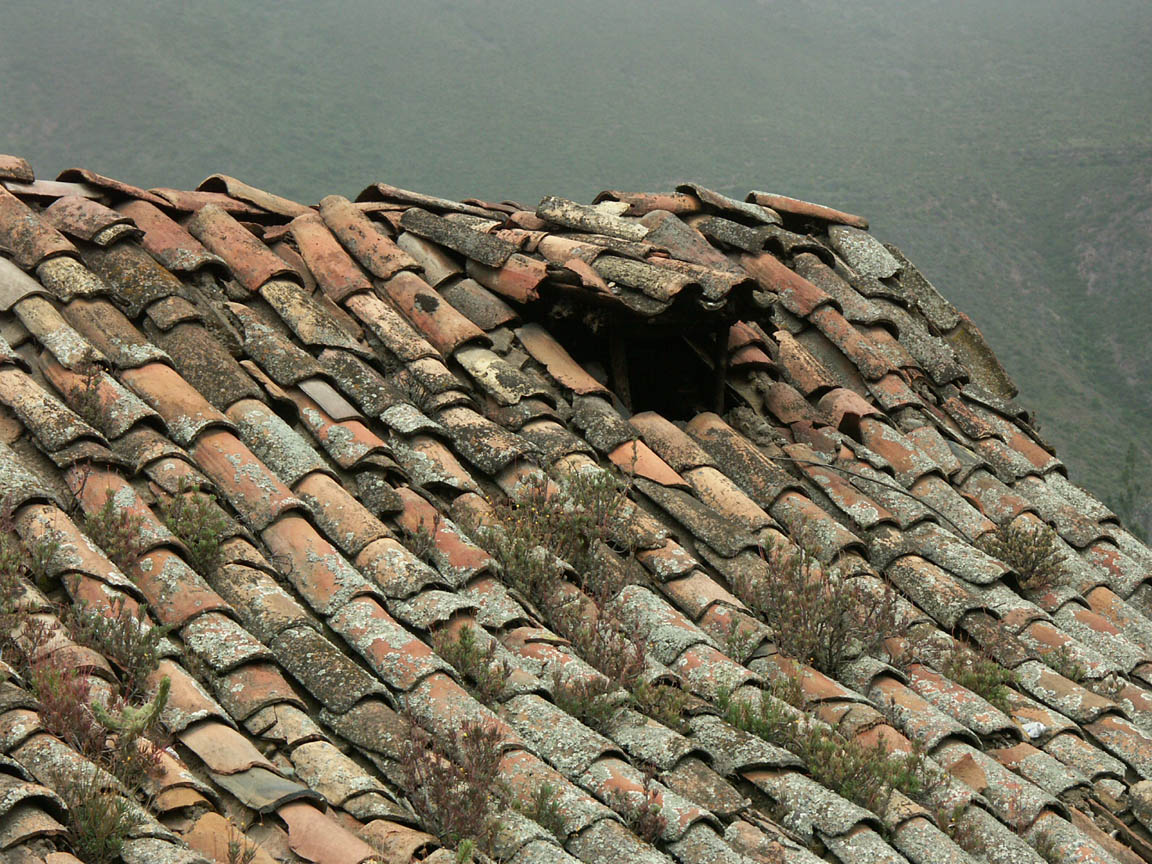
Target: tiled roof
{"points": [[359, 384]]}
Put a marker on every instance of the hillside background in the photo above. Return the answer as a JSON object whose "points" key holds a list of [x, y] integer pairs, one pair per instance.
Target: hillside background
{"points": [[1005, 146]]}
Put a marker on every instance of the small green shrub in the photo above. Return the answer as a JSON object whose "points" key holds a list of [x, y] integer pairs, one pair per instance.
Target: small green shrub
{"points": [[644, 818], [116, 531], [738, 641], [1033, 551], [453, 782], [240, 851], [193, 516], [99, 819], [422, 541], [818, 617], [64, 696], [483, 672], [610, 645], [865, 775], [663, 703], [586, 511], [544, 809], [982, 675], [127, 639], [593, 701], [1063, 661]]}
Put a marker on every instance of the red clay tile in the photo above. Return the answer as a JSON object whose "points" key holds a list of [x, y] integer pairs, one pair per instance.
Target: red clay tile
{"points": [[117, 188], [398, 657], [222, 748], [384, 322], [187, 701], [175, 592], [640, 203], [187, 201], [256, 493], [457, 236], [399, 843], [560, 365], [240, 190], [385, 192], [439, 266], [335, 271], [16, 285], [444, 327], [253, 686], [82, 218], [167, 241], [211, 834], [803, 370], [670, 442], [518, 279], [321, 575], [28, 238], [855, 346], [799, 296], [846, 407], [458, 553], [316, 837], [750, 357], [251, 261], [15, 168], [346, 521], [806, 209], [186, 413], [635, 458]]}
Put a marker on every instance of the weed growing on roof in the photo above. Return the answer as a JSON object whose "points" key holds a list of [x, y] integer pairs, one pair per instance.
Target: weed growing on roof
{"points": [[465, 852], [1111, 686], [124, 637], [643, 818], [662, 702], [982, 675], [193, 516], [240, 851], [452, 782], [64, 695], [1033, 551], [568, 523], [738, 641], [593, 701], [1063, 662], [99, 819], [576, 524], [422, 541], [866, 775], [544, 809], [486, 675], [116, 530], [817, 616]]}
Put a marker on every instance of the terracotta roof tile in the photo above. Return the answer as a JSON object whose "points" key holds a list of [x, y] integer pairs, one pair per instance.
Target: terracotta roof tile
{"points": [[85, 219], [29, 239], [806, 209], [251, 261], [15, 168], [311, 437]]}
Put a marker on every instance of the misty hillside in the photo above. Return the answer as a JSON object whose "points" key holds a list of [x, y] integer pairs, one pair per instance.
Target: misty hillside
{"points": [[1006, 147]]}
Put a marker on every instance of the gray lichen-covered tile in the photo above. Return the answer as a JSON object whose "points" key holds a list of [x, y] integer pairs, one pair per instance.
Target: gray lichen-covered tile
{"points": [[733, 750], [324, 670]]}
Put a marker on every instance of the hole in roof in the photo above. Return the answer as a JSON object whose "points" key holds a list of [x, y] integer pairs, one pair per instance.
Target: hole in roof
{"points": [[649, 367]]}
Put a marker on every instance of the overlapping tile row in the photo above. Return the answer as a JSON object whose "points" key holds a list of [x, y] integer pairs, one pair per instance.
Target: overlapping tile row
{"points": [[359, 379]]}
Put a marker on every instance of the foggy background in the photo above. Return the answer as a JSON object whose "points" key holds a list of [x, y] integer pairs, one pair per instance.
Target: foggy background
{"points": [[1005, 146]]}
